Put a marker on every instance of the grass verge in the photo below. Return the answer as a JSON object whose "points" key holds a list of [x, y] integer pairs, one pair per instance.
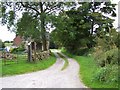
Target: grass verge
{"points": [[88, 68], [0, 67], [66, 61], [25, 67]]}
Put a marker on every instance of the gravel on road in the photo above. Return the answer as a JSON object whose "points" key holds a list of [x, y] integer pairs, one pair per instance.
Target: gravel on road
{"points": [[52, 77]]}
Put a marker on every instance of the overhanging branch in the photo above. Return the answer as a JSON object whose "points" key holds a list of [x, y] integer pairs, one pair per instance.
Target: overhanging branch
{"points": [[27, 6]]}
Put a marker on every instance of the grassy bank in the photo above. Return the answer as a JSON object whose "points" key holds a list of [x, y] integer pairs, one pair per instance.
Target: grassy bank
{"points": [[0, 67], [88, 68], [66, 61], [25, 67]]}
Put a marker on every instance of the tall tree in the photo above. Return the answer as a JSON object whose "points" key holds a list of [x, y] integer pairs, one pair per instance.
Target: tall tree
{"points": [[98, 15], [38, 10], [79, 27]]}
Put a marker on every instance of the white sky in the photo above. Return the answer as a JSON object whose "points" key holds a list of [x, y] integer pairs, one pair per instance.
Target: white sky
{"points": [[6, 35]]}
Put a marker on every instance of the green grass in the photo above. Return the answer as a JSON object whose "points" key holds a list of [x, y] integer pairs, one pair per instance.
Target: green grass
{"points": [[0, 67], [88, 68], [23, 66], [66, 61], [8, 44]]}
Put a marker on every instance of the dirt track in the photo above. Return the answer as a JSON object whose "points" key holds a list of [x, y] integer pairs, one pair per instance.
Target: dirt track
{"points": [[52, 77]]}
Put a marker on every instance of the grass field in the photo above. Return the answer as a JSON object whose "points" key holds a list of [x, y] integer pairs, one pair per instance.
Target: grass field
{"points": [[66, 61], [0, 67], [88, 68], [23, 66]]}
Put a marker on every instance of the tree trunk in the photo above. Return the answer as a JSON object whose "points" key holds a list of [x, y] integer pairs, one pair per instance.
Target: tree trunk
{"points": [[35, 51], [30, 53], [43, 31], [92, 27]]}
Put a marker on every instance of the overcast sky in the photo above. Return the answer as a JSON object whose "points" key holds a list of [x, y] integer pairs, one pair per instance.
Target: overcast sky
{"points": [[6, 35]]}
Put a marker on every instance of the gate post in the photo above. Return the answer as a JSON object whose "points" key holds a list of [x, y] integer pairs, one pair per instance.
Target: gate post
{"points": [[29, 52]]}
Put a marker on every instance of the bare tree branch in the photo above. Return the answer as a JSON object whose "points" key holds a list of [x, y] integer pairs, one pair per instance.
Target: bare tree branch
{"points": [[27, 6]]}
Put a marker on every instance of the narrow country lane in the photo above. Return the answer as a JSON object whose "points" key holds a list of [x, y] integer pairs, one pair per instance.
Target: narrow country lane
{"points": [[52, 77]]}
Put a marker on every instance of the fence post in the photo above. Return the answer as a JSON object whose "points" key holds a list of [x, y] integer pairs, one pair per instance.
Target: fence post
{"points": [[29, 52]]}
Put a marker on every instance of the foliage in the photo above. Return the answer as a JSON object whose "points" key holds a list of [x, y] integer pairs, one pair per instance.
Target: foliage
{"points": [[28, 26], [108, 61], [109, 57], [52, 45], [33, 23], [68, 34], [7, 42], [2, 45], [107, 74], [106, 57], [106, 49], [77, 28], [17, 50]]}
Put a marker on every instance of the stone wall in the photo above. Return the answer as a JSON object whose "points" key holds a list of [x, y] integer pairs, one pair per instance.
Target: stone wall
{"points": [[40, 55]]}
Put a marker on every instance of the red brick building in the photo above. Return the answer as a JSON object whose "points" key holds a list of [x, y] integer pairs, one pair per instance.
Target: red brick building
{"points": [[17, 41]]}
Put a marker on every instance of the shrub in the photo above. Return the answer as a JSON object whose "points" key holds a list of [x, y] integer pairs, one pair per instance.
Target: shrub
{"points": [[17, 50], [109, 57], [101, 74], [108, 62], [112, 56], [106, 74]]}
